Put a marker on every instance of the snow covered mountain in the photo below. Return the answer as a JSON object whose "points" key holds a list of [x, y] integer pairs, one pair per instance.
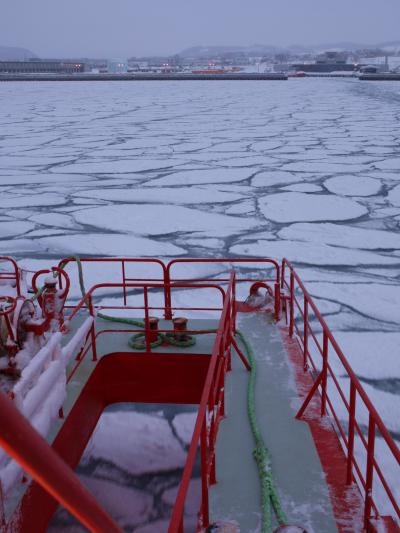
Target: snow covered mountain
{"points": [[14, 53]]}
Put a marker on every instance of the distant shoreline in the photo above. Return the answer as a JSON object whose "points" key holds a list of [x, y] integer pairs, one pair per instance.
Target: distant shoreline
{"points": [[142, 77]]}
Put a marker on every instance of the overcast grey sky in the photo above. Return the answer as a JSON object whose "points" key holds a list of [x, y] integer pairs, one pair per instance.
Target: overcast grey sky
{"points": [[104, 28]]}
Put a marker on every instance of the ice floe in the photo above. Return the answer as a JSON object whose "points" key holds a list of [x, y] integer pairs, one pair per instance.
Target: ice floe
{"points": [[273, 178], [339, 235], [296, 206], [371, 354], [148, 446], [10, 229], [193, 177], [13, 200], [389, 164], [127, 505], [375, 300], [184, 426], [111, 244], [54, 219], [312, 253], [302, 187], [353, 186], [162, 195], [394, 196], [153, 219], [119, 166]]}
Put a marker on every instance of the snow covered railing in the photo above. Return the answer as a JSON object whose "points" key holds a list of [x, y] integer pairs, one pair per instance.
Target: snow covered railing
{"points": [[40, 393], [77, 341], [30, 374], [372, 455]]}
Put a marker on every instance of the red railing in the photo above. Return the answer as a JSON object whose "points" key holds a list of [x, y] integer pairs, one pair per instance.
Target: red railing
{"points": [[318, 346], [13, 274], [166, 275], [211, 410], [87, 301], [122, 262], [306, 322], [231, 262], [24, 444]]}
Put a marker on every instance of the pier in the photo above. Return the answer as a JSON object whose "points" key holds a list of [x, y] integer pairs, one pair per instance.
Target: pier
{"points": [[242, 76], [384, 76]]}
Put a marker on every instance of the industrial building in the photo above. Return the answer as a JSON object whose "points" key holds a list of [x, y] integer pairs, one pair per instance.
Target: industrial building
{"points": [[117, 66], [40, 66], [327, 62]]}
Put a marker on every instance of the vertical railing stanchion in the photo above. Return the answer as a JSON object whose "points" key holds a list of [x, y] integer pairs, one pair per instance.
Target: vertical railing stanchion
{"points": [[124, 280], [305, 333], [92, 329], [234, 310], [283, 274], [291, 303], [350, 434], [277, 303], [324, 372], [146, 319], [205, 519], [370, 470], [167, 294]]}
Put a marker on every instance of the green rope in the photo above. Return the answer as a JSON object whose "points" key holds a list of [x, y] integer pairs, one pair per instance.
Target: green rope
{"points": [[269, 494], [138, 341]]}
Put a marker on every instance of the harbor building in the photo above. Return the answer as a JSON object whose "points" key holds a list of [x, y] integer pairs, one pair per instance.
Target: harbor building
{"points": [[327, 62], [41, 66], [117, 66]]}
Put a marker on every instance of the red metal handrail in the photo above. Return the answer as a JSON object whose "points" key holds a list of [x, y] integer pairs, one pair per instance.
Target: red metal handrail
{"points": [[123, 261], [26, 446], [356, 390], [231, 261], [87, 301], [167, 277], [205, 434], [13, 275]]}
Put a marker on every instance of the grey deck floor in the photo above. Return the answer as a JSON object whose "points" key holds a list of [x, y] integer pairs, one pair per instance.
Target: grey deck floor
{"points": [[296, 466]]}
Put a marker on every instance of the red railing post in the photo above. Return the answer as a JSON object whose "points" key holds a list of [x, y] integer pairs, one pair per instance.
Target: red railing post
{"points": [[123, 279], [92, 330], [205, 518], [324, 372], [277, 305], [146, 319], [370, 470], [167, 294], [234, 311], [305, 333], [221, 388], [291, 303], [350, 434]]}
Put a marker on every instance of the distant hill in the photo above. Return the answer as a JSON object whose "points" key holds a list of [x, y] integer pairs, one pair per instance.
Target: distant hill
{"points": [[266, 49], [13, 53], [206, 51]]}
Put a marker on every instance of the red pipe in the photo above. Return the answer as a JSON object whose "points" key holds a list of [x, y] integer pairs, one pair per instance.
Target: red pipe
{"points": [[24, 444]]}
